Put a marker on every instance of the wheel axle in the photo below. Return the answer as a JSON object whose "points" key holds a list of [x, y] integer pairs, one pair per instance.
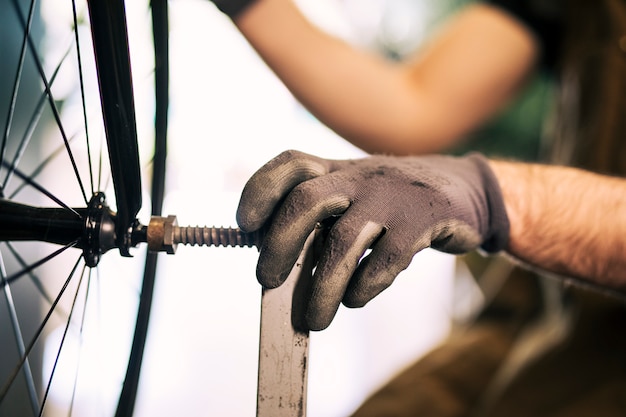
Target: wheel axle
{"points": [[94, 230]]}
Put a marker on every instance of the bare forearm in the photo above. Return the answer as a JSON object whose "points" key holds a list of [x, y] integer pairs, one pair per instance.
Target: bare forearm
{"points": [[424, 105], [355, 93], [567, 221]]}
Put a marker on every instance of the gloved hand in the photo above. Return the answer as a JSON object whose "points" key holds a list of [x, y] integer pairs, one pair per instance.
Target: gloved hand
{"points": [[396, 206], [232, 8]]}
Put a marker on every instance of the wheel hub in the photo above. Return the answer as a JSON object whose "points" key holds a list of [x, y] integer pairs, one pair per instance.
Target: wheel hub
{"points": [[99, 232]]}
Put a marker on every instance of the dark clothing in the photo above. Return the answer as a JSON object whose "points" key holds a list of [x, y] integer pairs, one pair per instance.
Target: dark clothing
{"points": [[545, 19]]}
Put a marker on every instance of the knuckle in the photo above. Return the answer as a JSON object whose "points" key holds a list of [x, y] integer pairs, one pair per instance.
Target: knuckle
{"points": [[306, 194]]}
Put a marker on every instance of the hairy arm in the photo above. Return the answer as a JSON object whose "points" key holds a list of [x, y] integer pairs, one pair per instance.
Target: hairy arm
{"points": [[567, 221], [466, 74]]}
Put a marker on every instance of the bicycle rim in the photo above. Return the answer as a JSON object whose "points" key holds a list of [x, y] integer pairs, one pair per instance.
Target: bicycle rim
{"points": [[72, 359]]}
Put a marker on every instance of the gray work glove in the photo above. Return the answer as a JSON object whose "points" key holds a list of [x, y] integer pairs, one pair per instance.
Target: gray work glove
{"points": [[232, 8], [396, 206]]}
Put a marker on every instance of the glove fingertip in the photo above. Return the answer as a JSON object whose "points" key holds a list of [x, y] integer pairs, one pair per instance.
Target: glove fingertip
{"points": [[320, 312], [268, 277], [353, 300], [248, 221], [317, 322], [254, 207]]}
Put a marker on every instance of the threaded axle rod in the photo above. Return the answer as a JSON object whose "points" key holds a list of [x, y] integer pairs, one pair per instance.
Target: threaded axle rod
{"points": [[214, 236], [164, 235]]}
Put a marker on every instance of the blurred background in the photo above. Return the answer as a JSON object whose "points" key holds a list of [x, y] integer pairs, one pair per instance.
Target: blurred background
{"points": [[228, 115]]}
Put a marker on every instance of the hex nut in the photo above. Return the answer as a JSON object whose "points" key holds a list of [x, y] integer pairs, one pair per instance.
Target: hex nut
{"points": [[160, 234]]}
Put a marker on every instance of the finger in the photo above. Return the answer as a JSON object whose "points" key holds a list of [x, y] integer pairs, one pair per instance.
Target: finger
{"points": [[348, 240], [272, 182], [307, 204], [390, 255], [455, 236]]}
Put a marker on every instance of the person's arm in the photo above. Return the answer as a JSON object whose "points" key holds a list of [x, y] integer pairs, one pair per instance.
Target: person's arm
{"points": [[562, 220], [468, 72], [567, 221]]}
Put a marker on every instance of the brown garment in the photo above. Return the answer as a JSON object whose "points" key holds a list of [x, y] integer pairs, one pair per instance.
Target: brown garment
{"points": [[583, 376], [591, 120], [452, 378], [583, 373]]}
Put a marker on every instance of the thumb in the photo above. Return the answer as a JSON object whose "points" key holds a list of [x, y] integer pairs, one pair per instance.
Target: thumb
{"points": [[272, 182]]}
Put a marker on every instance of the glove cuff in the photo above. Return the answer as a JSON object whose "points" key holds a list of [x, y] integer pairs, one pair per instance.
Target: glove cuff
{"points": [[499, 226], [232, 8]]}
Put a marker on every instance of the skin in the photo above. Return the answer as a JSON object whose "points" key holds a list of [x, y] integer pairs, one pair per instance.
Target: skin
{"points": [[567, 221], [400, 108], [431, 102]]}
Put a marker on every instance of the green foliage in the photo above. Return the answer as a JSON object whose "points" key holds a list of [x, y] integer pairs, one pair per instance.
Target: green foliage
{"points": [[518, 132]]}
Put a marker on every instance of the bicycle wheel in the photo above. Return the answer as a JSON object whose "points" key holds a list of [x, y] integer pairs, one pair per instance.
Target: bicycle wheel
{"points": [[64, 151]]}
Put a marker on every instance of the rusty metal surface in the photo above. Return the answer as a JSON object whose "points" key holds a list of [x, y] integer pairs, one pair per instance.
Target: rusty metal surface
{"points": [[283, 344], [283, 349], [163, 234]]}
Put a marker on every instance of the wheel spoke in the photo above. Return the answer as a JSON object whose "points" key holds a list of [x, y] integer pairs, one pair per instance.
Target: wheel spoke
{"points": [[53, 106], [19, 339], [82, 325], [42, 165], [34, 278], [43, 190], [42, 325], [100, 166], [32, 125], [116, 162], [29, 268], [82, 94], [62, 343], [18, 76]]}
